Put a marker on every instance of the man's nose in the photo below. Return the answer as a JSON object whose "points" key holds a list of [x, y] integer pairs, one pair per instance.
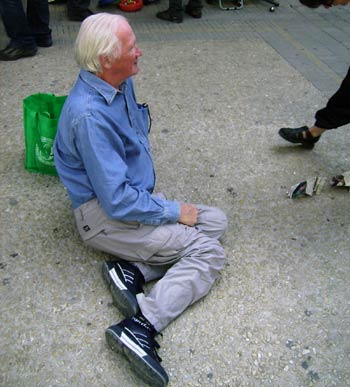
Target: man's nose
{"points": [[138, 51]]}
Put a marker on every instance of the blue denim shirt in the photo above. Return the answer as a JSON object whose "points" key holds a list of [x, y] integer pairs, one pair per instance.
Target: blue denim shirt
{"points": [[102, 151]]}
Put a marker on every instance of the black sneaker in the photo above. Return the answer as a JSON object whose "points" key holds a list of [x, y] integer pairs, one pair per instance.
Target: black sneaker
{"points": [[169, 16], [125, 281], [134, 337]]}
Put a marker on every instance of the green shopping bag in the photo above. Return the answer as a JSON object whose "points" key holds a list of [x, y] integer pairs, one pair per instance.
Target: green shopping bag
{"points": [[40, 118]]}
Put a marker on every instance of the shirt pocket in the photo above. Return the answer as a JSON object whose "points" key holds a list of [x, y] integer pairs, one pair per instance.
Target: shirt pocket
{"points": [[144, 118], [90, 219]]}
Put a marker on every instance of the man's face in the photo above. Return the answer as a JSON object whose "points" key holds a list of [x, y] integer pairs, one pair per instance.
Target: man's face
{"points": [[130, 52], [126, 66]]}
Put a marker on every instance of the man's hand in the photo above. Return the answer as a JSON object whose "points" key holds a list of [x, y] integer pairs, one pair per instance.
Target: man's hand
{"points": [[188, 214]]}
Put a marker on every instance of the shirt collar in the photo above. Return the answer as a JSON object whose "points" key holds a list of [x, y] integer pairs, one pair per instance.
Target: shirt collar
{"points": [[106, 90]]}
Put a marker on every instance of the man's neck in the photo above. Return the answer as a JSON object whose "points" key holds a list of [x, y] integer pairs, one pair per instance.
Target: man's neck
{"points": [[113, 82]]}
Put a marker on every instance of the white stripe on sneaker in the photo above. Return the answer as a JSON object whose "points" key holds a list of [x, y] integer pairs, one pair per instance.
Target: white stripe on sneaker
{"points": [[131, 344], [119, 284]]}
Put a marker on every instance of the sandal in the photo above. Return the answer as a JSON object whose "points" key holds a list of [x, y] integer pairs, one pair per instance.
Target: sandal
{"points": [[296, 136]]}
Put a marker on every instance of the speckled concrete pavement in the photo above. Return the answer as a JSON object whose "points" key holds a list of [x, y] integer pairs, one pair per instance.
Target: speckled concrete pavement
{"points": [[219, 88]]}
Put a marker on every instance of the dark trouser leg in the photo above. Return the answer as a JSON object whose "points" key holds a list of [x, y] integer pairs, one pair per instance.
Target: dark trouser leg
{"points": [[78, 9], [195, 4], [73, 5], [337, 111], [16, 24], [175, 7], [38, 16]]}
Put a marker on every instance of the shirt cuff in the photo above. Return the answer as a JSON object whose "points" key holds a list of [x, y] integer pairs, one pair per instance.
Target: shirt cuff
{"points": [[172, 211]]}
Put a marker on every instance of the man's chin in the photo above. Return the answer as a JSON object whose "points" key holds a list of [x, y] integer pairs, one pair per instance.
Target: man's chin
{"points": [[136, 69]]}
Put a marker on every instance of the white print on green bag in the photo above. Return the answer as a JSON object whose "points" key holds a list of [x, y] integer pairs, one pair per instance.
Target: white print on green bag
{"points": [[44, 151]]}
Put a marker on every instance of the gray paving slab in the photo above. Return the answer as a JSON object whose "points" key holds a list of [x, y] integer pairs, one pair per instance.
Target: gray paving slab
{"points": [[218, 90]]}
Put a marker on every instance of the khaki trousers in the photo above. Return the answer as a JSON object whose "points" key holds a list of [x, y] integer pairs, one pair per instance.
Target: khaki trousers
{"points": [[186, 260]]}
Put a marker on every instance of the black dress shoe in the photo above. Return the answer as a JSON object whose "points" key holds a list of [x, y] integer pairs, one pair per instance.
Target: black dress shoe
{"points": [[296, 136], [79, 14], [13, 53], [43, 40], [169, 16], [194, 12]]}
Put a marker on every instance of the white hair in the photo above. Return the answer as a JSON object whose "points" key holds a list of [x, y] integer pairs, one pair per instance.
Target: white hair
{"points": [[98, 36]]}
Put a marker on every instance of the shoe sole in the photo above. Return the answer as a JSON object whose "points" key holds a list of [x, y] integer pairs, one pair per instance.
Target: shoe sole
{"points": [[119, 342], [122, 297]]}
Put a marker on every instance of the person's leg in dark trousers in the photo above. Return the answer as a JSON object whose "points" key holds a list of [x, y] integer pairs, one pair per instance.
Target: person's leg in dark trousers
{"points": [[78, 10], [38, 17], [175, 11], [26, 32], [176, 6], [194, 8], [337, 111], [16, 25], [335, 114]]}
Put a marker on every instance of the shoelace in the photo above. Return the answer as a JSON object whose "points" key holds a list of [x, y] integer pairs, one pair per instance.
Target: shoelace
{"points": [[155, 347]]}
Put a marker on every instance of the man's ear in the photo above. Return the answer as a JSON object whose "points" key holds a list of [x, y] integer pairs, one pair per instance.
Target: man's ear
{"points": [[105, 62]]}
